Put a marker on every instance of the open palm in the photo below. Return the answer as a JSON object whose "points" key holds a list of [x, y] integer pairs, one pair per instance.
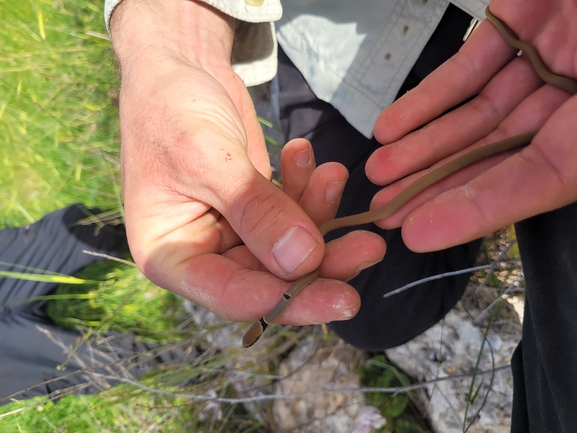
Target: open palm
{"points": [[507, 98]]}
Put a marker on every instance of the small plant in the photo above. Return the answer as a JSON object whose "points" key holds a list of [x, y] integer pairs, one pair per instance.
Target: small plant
{"points": [[123, 300], [379, 372]]}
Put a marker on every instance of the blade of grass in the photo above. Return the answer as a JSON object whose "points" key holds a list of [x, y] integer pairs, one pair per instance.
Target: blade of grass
{"points": [[58, 279]]}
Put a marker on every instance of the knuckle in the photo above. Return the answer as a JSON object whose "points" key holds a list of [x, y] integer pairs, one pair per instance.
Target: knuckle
{"points": [[259, 212]]}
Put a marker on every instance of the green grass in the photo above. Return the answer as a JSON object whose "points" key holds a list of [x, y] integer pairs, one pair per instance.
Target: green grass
{"points": [[60, 145], [379, 372], [58, 109], [122, 301], [122, 408], [86, 414]]}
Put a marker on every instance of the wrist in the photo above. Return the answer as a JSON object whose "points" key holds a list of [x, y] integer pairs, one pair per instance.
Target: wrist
{"points": [[187, 30]]}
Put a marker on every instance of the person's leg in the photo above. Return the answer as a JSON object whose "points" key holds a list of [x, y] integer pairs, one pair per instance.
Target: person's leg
{"points": [[380, 323], [544, 364], [31, 345], [52, 244]]}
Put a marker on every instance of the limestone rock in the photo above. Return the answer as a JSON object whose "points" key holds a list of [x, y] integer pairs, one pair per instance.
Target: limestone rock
{"points": [[450, 348], [309, 368]]}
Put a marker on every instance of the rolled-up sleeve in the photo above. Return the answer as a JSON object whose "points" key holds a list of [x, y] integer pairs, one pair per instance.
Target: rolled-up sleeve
{"points": [[254, 56]]}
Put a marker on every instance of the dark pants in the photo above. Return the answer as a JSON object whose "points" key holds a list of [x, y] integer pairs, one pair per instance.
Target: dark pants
{"points": [[545, 362], [544, 365], [31, 345]]}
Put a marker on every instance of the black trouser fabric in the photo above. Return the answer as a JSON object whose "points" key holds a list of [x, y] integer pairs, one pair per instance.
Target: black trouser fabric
{"points": [[381, 323], [545, 362], [31, 345]]}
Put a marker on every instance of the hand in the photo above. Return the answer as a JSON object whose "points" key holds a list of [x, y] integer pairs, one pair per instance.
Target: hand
{"points": [[507, 99], [196, 177]]}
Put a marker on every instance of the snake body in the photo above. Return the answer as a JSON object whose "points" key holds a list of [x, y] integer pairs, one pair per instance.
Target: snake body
{"points": [[565, 83]]}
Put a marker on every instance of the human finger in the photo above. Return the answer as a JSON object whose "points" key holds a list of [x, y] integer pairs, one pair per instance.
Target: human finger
{"points": [[323, 194], [539, 178], [347, 256], [531, 114], [457, 129], [344, 258], [479, 59], [297, 164], [236, 293]]}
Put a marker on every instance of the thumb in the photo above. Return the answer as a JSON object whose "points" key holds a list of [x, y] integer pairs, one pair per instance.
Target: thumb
{"points": [[273, 227]]}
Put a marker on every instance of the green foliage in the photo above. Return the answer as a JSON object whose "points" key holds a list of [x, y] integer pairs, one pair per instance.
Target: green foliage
{"points": [[501, 246], [379, 372], [129, 408], [124, 301], [512, 236], [86, 414], [121, 409], [58, 115]]}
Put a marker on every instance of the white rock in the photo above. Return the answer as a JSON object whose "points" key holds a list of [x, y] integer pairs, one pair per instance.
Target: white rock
{"points": [[451, 348], [313, 366]]}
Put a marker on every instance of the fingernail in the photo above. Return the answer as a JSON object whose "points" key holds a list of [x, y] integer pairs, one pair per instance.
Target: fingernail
{"points": [[293, 248], [334, 190], [303, 158]]}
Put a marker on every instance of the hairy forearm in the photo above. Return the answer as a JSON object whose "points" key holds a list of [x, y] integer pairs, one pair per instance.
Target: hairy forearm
{"points": [[189, 30]]}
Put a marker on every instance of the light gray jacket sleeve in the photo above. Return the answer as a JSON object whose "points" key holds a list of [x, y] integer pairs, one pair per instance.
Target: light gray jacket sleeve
{"points": [[254, 56]]}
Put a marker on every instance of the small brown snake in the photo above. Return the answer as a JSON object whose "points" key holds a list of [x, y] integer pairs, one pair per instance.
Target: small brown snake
{"points": [[565, 83]]}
